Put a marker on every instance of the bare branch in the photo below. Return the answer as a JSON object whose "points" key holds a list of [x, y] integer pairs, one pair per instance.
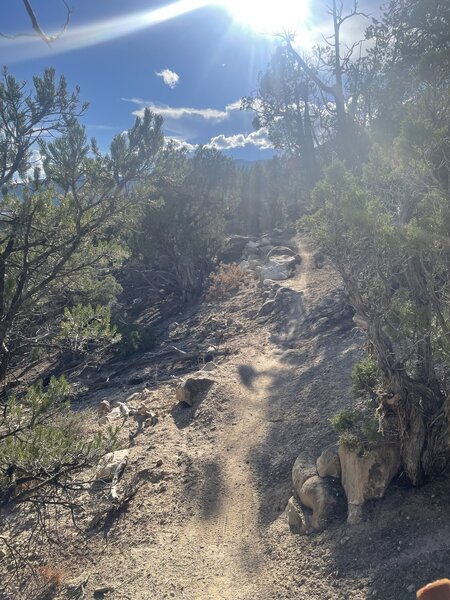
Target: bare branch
{"points": [[39, 32]]}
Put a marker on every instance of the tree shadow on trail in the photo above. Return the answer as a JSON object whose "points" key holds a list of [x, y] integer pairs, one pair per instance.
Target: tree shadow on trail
{"points": [[309, 385]]}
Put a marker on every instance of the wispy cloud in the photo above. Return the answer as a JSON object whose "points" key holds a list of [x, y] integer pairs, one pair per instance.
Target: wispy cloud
{"points": [[173, 112], [101, 127], [257, 138], [169, 77]]}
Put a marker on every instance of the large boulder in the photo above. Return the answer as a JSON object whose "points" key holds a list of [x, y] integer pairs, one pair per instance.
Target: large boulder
{"points": [[287, 262], [328, 464], [188, 390], [366, 475], [275, 271], [234, 248], [303, 469], [322, 496], [282, 251]]}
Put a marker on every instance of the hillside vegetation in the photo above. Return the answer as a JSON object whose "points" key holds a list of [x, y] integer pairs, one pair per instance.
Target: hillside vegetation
{"points": [[122, 271]]}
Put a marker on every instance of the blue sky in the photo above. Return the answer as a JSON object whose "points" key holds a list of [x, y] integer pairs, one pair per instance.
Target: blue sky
{"points": [[193, 68]]}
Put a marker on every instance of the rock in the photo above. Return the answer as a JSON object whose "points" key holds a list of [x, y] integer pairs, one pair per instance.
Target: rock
{"points": [[318, 260], [367, 475], [123, 409], [111, 465], [286, 298], [296, 519], [288, 262], [189, 388], [103, 408], [321, 497], [103, 591], [275, 271], [75, 588], [281, 251], [251, 245], [183, 395], [244, 265], [234, 248], [302, 470], [265, 241], [266, 308], [354, 513], [209, 366], [328, 463]]}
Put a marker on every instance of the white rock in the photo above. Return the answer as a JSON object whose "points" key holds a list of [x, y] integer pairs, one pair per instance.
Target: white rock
{"points": [[110, 465], [274, 271]]}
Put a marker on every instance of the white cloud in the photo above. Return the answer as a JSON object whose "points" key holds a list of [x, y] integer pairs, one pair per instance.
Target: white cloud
{"points": [[169, 77], [179, 143], [172, 112], [257, 138]]}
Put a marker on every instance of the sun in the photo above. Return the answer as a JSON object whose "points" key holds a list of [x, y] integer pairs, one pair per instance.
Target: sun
{"points": [[271, 16]]}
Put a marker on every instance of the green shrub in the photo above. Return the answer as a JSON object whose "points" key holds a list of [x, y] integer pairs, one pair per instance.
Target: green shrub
{"points": [[135, 338], [343, 421], [41, 446], [85, 328], [365, 377], [356, 428]]}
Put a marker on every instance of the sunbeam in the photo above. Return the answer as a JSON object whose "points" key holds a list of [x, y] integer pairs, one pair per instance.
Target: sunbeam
{"points": [[98, 32]]}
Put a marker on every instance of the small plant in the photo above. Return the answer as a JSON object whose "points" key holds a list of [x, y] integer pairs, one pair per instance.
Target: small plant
{"points": [[343, 421], [41, 449], [356, 428], [365, 377], [51, 577], [135, 338], [85, 328], [225, 280], [350, 441]]}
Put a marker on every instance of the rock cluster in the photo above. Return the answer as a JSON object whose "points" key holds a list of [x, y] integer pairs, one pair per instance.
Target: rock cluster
{"points": [[264, 257], [319, 488], [320, 498]]}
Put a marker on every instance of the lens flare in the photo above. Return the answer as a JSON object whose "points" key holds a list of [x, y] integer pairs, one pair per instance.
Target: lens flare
{"points": [[271, 16], [98, 32]]}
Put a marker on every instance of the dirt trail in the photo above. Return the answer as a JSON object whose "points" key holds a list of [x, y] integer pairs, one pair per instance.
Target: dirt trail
{"points": [[227, 533]]}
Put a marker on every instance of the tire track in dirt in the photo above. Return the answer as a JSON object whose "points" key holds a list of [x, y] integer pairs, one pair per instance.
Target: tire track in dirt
{"points": [[230, 539]]}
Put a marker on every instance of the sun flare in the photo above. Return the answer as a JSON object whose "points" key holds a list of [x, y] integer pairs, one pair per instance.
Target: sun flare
{"points": [[271, 16]]}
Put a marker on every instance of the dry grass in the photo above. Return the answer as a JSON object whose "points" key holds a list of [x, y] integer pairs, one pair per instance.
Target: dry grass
{"points": [[225, 280]]}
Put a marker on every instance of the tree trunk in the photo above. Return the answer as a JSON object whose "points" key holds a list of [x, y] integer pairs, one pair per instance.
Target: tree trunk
{"points": [[420, 413]]}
